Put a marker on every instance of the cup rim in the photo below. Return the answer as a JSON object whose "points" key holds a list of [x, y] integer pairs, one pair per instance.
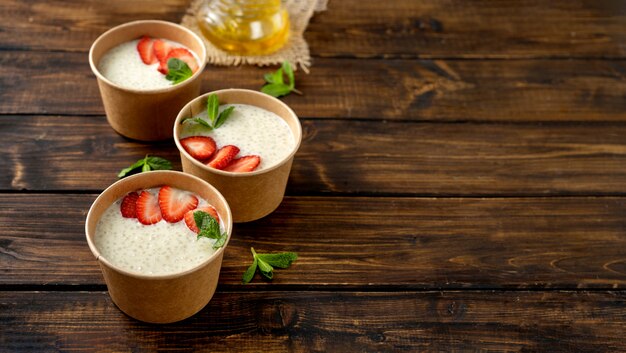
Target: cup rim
{"points": [[99, 75], [237, 174], [99, 257]]}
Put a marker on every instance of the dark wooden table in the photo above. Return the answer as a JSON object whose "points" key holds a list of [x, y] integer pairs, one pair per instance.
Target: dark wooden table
{"points": [[461, 184]]}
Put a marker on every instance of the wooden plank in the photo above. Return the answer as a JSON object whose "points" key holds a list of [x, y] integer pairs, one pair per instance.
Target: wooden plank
{"points": [[73, 25], [521, 90], [355, 242], [347, 157], [470, 29], [325, 322], [395, 28]]}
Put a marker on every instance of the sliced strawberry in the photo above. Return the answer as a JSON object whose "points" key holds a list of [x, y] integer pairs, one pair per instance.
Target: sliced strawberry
{"points": [[191, 222], [243, 164], [163, 67], [184, 55], [223, 157], [144, 47], [129, 205], [199, 147], [161, 49], [174, 203], [148, 211]]}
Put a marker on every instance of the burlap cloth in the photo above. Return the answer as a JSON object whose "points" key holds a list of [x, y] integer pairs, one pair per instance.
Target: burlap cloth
{"points": [[296, 50]]}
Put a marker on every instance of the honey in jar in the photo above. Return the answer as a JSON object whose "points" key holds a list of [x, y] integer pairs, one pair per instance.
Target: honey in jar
{"points": [[245, 27]]}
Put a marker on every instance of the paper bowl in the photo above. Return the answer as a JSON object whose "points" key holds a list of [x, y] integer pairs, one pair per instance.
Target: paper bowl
{"points": [[160, 298], [145, 115], [250, 195]]}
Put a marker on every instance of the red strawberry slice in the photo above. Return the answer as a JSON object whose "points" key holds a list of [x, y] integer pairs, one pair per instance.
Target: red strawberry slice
{"points": [[184, 55], [223, 157], [144, 47], [174, 203], [199, 147], [129, 205], [161, 49], [148, 211], [243, 164], [163, 67], [191, 222]]}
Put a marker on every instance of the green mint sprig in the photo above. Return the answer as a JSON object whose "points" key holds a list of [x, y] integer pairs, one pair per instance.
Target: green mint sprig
{"points": [[266, 263], [276, 85], [146, 164], [216, 119], [178, 71], [209, 228]]}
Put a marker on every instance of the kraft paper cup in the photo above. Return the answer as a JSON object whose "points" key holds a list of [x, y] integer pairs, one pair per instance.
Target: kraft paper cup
{"points": [[162, 298], [145, 115], [250, 195]]}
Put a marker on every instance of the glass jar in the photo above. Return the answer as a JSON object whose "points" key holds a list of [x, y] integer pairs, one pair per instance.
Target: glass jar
{"points": [[245, 27]]}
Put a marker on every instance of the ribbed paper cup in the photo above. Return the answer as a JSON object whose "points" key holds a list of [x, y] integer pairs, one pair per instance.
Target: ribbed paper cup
{"points": [[160, 298], [145, 115], [251, 195]]}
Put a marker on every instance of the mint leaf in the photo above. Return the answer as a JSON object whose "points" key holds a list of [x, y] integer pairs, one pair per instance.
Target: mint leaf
{"points": [[276, 89], [223, 116], [249, 274], [199, 218], [131, 170], [146, 164], [276, 85], [274, 77], [216, 119], [266, 270], [178, 71], [282, 260], [158, 163], [209, 228], [213, 108], [198, 120], [265, 263], [220, 241]]}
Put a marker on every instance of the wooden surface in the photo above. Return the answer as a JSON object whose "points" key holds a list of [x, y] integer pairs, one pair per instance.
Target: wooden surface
{"points": [[453, 90], [461, 184], [327, 322], [423, 243], [347, 156]]}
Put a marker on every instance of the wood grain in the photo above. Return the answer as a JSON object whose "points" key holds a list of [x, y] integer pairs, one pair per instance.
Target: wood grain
{"points": [[347, 157], [449, 90], [352, 28], [361, 242], [325, 322], [73, 25], [470, 29], [510, 114]]}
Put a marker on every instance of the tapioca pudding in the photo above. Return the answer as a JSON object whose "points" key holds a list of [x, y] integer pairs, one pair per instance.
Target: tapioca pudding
{"points": [[154, 232], [142, 63], [250, 130]]}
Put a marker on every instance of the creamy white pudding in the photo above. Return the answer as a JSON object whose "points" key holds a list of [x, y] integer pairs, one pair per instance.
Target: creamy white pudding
{"points": [[254, 130], [158, 249], [123, 66]]}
